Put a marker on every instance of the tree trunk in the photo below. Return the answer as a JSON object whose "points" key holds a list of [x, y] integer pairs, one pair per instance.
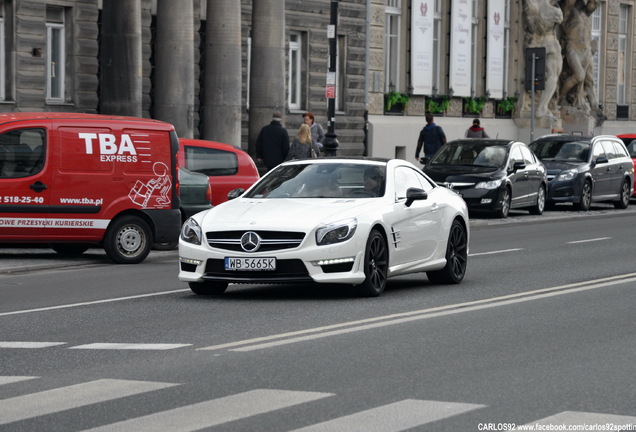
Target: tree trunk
{"points": [[222, 107], [174, 65], [121, 60], [267, 72]]}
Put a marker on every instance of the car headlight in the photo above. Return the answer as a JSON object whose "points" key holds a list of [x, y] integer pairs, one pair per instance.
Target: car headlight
{"points": [[566, 175], [492, 184], [191, 232], [336, 232]]}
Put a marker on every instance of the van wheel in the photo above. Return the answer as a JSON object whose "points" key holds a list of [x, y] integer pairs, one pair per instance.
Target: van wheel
{"points": [[128, 240], [69, 249]]}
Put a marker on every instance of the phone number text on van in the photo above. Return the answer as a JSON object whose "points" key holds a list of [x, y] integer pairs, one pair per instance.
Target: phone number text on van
{"points": [[21, 200]]}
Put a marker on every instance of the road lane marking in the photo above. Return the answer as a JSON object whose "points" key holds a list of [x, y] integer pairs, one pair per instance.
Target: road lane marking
{"points": [[14, 379], [214, 412], [29, 345], [74, 396], [496, 252], [399, 318], [576, 418], [129, 346], [590, 240], [395, 417], [50, 308]]}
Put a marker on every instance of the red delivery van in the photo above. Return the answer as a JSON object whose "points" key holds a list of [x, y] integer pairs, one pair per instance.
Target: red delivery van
{"points": [[74, 180]]}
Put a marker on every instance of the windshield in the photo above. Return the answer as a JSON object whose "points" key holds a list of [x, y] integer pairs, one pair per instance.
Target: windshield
{"points": [[322, 180], [562, 151], [471, 154]]}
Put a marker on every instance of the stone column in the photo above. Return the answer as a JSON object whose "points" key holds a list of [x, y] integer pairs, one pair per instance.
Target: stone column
{"points": [[267, 72], [222, 106], [174, 65], [121, 63]]}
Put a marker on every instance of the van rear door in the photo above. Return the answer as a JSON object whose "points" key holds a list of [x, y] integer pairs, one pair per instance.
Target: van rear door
{"points": [[24, 183]]}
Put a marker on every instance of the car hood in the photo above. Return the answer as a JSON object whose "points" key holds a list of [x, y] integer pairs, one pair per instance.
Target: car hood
{"points": [[468, 174], [555, 167], [289, 214]]}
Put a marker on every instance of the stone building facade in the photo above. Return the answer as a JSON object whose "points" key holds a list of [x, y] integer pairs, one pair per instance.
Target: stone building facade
{"points": [[52, 52]]}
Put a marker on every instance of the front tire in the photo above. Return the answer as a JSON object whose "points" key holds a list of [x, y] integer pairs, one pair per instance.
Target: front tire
{"points": [[506, 199], [128, 240], [208, 287], [456, 257], [623, 202], [376, 265], [539, 207], [585, 200]]}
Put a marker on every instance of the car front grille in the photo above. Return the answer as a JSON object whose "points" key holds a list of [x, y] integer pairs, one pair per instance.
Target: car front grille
{"points": [[269, 240]]}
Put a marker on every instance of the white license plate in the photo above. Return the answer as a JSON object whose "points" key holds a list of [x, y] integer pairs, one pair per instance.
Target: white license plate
{"points": [[254, 264]]}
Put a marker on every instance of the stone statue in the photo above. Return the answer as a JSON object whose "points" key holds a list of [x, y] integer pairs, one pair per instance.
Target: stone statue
{"points": [[577, 85], [542, 19]]}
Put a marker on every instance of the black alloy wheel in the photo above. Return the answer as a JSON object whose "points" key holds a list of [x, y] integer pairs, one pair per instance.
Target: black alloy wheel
{"points": [[456, 257], [376, 265]]}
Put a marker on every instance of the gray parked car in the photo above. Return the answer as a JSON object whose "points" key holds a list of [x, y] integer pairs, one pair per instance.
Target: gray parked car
{"points": [[583, 170]]}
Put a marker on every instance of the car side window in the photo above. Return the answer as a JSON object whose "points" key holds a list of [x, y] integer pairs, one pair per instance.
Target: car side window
{"points": [[609, 150], [406, 178], [528, 157], [620, 150], [22, 152], [515, 156], [597, 151], [211, 162]]}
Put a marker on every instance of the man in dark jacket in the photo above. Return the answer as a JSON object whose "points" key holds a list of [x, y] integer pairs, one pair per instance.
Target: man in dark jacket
{"points": [[432, 137], [272, 144]]}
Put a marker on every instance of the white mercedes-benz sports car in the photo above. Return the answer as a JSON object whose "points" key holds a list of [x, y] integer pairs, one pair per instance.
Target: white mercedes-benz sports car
{"points": [[329, 220]]}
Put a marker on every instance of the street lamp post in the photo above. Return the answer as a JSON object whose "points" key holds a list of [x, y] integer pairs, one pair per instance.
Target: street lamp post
{"points": [[331, 140]]}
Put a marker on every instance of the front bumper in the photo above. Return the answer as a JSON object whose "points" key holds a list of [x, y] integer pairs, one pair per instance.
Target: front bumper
{"points": [[339, 263]]}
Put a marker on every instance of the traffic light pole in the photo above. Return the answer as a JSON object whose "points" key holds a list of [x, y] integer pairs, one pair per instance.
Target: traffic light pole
{"points": [[331, 141]]}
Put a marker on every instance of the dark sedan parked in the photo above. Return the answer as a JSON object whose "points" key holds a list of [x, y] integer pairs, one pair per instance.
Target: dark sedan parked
{"points": [[582, 170], [492, 175]]}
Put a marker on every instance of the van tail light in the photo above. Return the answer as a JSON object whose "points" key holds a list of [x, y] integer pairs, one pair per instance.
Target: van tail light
{"points": [[178, 183], [208, 194]]}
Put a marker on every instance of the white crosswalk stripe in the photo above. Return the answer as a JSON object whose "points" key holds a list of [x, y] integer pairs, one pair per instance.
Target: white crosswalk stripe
{"points": [[14, 379], [214, 412], [576, 418], [129, 346], [29, 345], [74, 396], [394, 417]]}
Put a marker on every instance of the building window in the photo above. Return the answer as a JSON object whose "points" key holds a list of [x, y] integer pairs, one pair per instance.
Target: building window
{"points": [[295, 55], [597, 20], [392, 46], [56, 54], [437, 46], [3, 63], [623, 25]]}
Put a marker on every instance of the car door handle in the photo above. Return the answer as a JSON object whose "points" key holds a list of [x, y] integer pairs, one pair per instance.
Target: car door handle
{"points": [[434, 207], [38, 186]]}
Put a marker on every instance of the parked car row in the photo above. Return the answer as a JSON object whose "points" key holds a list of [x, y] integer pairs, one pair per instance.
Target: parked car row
{"points": [[495, 175]]}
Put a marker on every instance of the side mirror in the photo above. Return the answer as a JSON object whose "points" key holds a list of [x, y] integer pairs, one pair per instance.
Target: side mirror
{"points": [[518, 166], [235, 193], [601, 160], [414, 194]]}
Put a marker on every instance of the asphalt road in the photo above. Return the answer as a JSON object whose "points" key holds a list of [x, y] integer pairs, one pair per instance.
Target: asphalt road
{"points": [[540, 332]]}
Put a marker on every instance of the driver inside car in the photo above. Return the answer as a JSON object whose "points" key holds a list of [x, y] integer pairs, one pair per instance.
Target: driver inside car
{"points": [[372, 181]]}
